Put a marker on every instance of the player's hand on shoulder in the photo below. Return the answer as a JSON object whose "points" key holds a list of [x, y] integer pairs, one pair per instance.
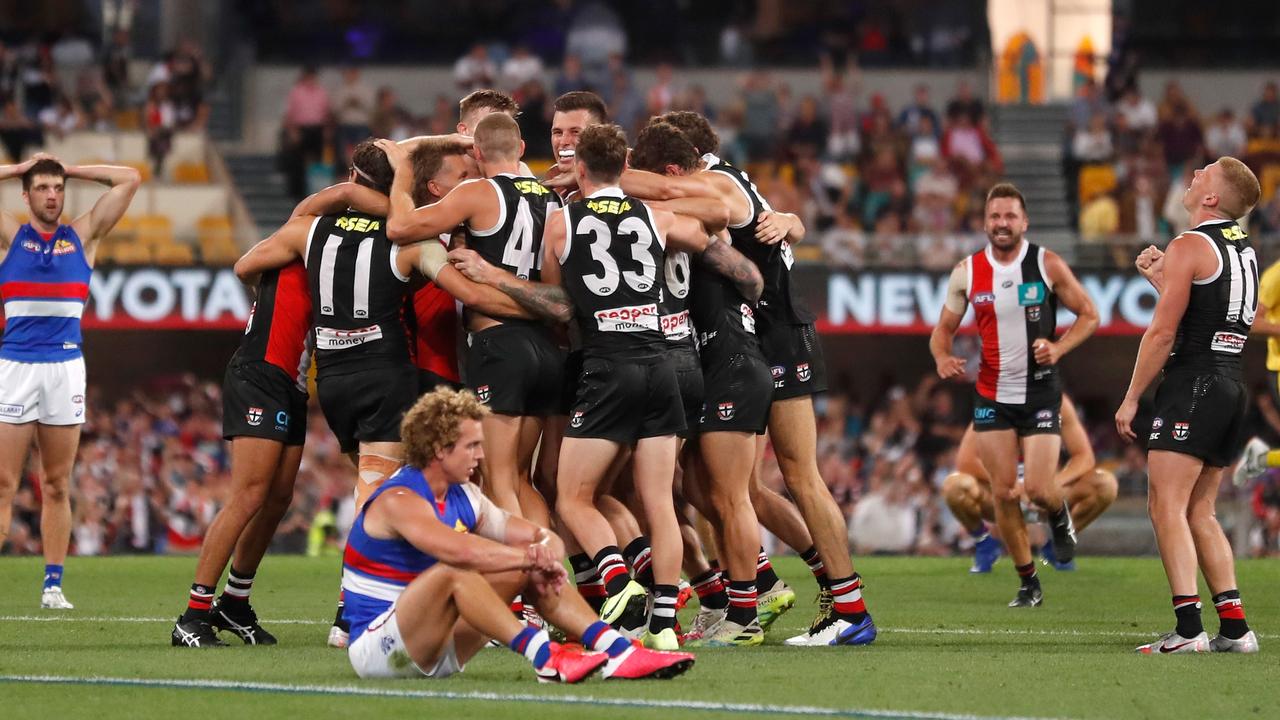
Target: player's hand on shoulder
{"points": [[951, 366]]}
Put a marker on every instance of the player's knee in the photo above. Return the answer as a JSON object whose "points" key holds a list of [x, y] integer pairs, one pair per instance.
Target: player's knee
{"points": [[54, 489], [959, 488], [1007, 494], [1106, 487]]}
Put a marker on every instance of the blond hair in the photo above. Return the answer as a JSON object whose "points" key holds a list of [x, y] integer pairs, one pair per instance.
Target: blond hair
{"points": [[1242, 188], [498, 137], [435, 422]]}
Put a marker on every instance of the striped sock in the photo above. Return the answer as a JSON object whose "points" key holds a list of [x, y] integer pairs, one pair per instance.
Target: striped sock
{"points": [[52, 576], [590, 586], [1187, 610], [613, 571], [639, 555], [517, 608], [710, 588], [814, 561], [238, 586], [664, 608], [534, 644], [600, 637], [201, 598], [742, 601], [765, 576], [847, 596], [1231, 620]]}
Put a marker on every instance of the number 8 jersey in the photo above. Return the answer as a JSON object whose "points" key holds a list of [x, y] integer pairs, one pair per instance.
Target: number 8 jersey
{"points": [[613, 255]]}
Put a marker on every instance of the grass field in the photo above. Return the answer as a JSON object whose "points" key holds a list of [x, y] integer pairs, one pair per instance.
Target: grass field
{"points": [[948, 647]]}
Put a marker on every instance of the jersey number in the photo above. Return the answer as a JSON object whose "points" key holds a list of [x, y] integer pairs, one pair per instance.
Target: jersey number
{"points": [[521, 251], [642, 240], [1242, 292], [677, 272], [359, 283]]}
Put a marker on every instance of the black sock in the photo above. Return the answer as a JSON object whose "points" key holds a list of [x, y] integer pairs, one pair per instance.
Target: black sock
{"points": [[612, 569], [664, 608], [238, 586], [1187, 610], [766, 578], [1028, 575], [742, 602], [338, 620], [639, 556], [1232, 624], [710, 590], [814, 561]]}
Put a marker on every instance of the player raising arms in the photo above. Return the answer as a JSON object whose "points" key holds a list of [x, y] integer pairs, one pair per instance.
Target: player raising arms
{"points": [[513, 365], [1089, 490], [1014, 287], [431, 563], [1208, 285], [44, 282]]}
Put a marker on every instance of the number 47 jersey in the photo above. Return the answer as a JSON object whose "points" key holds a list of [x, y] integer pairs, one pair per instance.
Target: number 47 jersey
{"points": [[515, 242]]}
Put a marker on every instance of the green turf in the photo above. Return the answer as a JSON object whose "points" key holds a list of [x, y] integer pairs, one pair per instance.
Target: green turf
{"points": [[947, 645]]}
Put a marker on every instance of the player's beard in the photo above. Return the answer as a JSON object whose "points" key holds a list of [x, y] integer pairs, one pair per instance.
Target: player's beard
{"points": [[47, 215], [1005, 242]]}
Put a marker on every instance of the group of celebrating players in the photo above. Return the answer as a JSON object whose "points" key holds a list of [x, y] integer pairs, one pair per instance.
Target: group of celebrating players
{"points": [[631, 332]]}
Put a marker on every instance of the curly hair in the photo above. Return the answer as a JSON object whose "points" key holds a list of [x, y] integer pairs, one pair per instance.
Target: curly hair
{"points": [[695, 127], [435, 422], [661, 144]]}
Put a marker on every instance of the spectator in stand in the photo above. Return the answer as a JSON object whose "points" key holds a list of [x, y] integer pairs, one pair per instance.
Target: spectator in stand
{"points": [[694, 98], [760, 117], [920, 110], [924, 146], [966, 102], [1092, 143], [1125, 140], [39, 85], [1139, 113], [883, 181], [386, 113], [1180, 135], [936, 190], [159, 120], [353, 105], [626, 107], [115, 65], [474, 71], [1100, 217], [61, 117], [1265, 112], [17, 132], [307, 116], [1087, 103], [186, 87], [807, 130], [595, 34], [662, 94], [1225, 136], [1139, 202], [570, 78], [971, 150], [1175, 216], [1175, 100], [521, 68], [842, 113], [10, 69]]}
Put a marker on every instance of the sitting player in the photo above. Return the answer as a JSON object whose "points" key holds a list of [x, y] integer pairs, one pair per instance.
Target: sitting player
{"points": [[431, 565], [1089, 490]]}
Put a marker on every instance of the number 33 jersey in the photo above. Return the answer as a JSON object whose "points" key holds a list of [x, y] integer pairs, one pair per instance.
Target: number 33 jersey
{"points": [[357, 294], [610, 266]]}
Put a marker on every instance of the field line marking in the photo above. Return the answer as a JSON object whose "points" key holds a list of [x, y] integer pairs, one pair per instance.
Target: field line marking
{"points": [[478, 696], [890, 630]]}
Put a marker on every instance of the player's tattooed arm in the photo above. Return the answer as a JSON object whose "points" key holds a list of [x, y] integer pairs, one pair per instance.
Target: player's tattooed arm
{"points": [[544, 300], [721, 257], [339, 197]]}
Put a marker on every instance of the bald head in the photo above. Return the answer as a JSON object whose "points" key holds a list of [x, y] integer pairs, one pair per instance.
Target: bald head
{"points": [[498, 138], [1240, 189]]}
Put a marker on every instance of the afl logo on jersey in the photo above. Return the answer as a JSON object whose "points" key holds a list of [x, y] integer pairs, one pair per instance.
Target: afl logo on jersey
{"points": [[984, 298], [254, 416], [482, 392]]}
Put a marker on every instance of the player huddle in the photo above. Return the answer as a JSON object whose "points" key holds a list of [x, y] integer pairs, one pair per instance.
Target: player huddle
{"points": [[631, 332]]}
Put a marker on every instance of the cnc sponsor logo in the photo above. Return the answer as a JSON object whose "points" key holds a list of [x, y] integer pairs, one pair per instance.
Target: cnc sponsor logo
{"points": [[335, 339], [12, 409], [984, 415], [779, 372], [282, 421]]}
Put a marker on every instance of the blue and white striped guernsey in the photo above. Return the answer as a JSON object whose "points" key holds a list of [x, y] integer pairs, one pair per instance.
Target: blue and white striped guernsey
{"points": [[44, 283]]}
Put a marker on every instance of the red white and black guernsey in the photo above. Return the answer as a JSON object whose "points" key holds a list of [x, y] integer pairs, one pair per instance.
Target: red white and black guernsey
{"points": [[279, 327], [1014, 305]]}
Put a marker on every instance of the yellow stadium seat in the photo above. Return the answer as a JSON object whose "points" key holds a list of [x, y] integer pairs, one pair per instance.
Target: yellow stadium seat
{"points": [[174, 254], [126, 230], [1270, 180], [128, 119], [219, 253], [132, 254], [154, 230], [1095, 180], [191, 172]]}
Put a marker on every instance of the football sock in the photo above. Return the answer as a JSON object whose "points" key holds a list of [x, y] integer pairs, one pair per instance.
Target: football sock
{"points": [[847, 597], [710, 589], [534, 644], [979, 531], [612, 570], [814, 561], [52, 576], [199, 602], [585, 576], [742, 602], [1028, 575], [338, 620], [765, 576], [517, 608], [664, 608], [1187, 609], [602, 638], [1231, 620], [238, 586], [639, 555]]}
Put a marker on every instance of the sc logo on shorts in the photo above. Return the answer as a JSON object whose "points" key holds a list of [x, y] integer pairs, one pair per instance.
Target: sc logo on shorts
{"points": [[984, 415]]}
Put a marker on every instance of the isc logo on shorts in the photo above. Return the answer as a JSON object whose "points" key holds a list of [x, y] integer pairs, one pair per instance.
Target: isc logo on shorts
{"points": [[254, 416]]}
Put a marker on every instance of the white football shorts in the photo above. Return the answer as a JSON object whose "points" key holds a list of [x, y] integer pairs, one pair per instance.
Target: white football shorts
{"points": [[380, 653], [47, 393]]}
